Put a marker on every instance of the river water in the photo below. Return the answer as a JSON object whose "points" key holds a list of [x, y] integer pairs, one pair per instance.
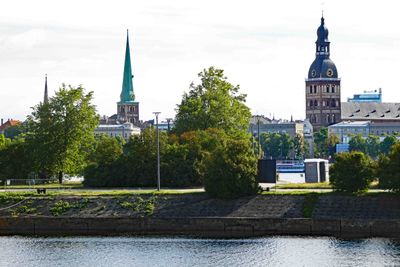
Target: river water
{"points": [[180, 251]]}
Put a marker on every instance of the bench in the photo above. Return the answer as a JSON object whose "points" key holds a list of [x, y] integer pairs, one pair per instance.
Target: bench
{"points": [[41, 190]]}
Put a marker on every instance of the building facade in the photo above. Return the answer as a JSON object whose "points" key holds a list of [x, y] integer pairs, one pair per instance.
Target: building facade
{"points": [[367, 96], [260, 124], [346, 129], [125, 130], [322, 89]]}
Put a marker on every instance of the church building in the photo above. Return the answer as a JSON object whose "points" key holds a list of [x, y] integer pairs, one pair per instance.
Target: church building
{"points": [[323, 106], [126, 122]]}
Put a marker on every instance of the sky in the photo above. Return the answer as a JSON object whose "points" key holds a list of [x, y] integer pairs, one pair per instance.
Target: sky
{"points": [[264, 46]]}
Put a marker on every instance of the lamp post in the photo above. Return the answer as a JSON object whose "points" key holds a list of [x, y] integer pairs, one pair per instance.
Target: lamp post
{"points": [[258, 134], [158, 152]]}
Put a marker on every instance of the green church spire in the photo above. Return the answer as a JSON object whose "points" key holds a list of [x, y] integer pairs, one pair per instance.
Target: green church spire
{"points": [[127, 94]]}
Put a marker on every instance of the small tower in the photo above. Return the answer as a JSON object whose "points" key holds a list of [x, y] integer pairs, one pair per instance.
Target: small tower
{"points": [[127, 107], [46, 94], [323, 85]]}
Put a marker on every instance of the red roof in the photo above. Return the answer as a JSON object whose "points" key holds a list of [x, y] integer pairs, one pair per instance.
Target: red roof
{"points": [[9, 123]]}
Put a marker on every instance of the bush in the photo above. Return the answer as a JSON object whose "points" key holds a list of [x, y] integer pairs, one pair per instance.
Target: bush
{"points": [[230, 170], [352, 172], [389, 170]]}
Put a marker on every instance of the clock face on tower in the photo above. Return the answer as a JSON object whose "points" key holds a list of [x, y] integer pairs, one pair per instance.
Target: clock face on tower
{"points": [[329, 73], [313, 73]]}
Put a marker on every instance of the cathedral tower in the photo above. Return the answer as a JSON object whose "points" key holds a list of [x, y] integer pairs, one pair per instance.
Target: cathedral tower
{"points": [[323, 85], [127, 107]]}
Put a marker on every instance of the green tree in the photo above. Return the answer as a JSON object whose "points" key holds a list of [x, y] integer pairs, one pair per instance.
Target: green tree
{"points": [[214, 103], [320, 140], [351, 172], [14, 131], [389, 169], [330, 145], [108, 149], [358, 143], [15, 160], [299, 146], [230, 170], [276, 145], [373, 146], [387, 144], [2, 141], [61, 131]]}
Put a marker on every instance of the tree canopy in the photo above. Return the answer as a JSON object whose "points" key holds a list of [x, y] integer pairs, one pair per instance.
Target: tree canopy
{"points": [[62, 131], [214, 103]]}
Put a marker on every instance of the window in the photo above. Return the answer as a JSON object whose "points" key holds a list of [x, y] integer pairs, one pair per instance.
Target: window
{"points": [[327, 88], [328, 119], [333, 89], [315, 89], [315, 103], [333, 118]]}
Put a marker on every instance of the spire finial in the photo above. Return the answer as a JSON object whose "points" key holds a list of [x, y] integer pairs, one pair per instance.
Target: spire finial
{"points": [[46, 95]]}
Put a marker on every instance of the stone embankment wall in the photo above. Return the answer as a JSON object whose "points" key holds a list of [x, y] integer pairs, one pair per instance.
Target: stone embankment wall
{"points": [[199, 215], [205, 227]]}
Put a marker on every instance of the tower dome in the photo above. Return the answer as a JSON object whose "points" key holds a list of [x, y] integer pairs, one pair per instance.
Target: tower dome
{"points": [[322, 66]]}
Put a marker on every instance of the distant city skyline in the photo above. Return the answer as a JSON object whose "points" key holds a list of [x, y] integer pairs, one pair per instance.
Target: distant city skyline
{"points": [[265, 46]]}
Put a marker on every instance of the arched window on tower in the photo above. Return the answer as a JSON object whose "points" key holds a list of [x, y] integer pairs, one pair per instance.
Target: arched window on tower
{"points": [[333, 103], [315, 89], [333, 89], [315, 103], [328, 119], [333, 118], [327, 88]]}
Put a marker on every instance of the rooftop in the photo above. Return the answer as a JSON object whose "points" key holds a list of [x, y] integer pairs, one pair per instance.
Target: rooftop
{"points": [[370, 111]]}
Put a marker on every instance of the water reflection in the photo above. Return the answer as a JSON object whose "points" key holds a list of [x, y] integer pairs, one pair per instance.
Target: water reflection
{"points": [[163, 251]]}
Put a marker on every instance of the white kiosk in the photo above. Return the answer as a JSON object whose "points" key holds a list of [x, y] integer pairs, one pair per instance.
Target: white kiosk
{"points": [[316, 170]]}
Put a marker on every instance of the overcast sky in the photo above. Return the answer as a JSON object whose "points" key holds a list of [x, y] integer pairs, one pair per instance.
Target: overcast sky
{"points": [[265, 46]]}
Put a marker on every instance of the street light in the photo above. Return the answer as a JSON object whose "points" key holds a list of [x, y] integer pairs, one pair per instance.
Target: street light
{"points": [[158, 152]]}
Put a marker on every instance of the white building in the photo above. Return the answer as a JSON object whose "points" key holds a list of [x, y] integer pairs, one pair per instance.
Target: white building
{"points": [[346, 129], [123, 130]]}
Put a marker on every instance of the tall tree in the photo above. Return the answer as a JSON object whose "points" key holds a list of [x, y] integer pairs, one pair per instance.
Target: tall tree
{"points": [[320, 139], [373, 146], [2, 141], [214, 103], [358, 143], [387, 144], [330, 145], [299, 147], [107, 150], [276, 145], [62, 131]]}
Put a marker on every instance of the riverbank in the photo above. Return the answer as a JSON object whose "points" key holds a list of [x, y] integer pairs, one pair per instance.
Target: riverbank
{"points": [[197, 214]]}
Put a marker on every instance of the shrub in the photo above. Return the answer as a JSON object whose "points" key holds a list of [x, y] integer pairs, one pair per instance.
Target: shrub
{"points": [[230, 170], [389, 170], [352, 172]]}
